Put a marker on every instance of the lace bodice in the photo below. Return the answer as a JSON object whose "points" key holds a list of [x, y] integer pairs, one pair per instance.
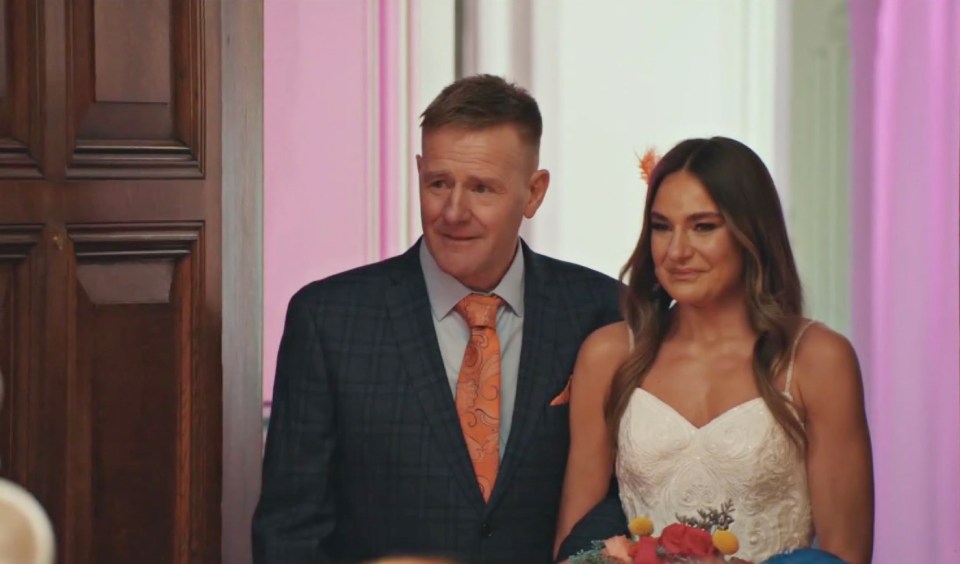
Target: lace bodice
{"points": [[668, 467]]}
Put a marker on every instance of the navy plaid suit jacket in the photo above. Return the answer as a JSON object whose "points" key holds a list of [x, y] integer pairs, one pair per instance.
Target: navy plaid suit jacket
{"points": [[364, 455]]}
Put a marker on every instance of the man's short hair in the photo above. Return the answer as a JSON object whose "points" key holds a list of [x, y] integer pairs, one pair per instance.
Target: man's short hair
{"points": [[483, 100]]}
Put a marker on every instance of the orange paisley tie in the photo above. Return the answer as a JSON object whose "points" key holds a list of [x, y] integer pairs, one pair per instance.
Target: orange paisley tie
{"points": [[478, 388]]}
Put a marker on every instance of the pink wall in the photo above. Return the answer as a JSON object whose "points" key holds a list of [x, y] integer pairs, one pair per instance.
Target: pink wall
{"points": [[906, 267], [337, 144], [317, 176], [393, 118]]}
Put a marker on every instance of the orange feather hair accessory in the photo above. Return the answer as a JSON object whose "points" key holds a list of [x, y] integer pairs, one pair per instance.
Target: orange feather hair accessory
{"points": [[648, 161]]}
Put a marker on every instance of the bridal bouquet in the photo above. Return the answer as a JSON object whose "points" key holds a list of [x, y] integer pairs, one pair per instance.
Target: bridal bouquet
{"points": [[704, 539]]}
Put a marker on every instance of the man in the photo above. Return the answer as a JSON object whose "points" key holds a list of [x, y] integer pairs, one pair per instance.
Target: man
{"points": [[420, 404]]}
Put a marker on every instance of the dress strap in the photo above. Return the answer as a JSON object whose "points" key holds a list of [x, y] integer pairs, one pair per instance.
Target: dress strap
{"points": [[793, 355]]}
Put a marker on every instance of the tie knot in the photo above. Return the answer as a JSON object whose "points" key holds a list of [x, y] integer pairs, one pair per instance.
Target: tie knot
{"points": [[479, 310]]}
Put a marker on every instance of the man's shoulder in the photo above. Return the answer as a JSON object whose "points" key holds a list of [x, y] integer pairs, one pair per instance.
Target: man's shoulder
{"points": [[571, 272], [578, 288], [365, 282]]}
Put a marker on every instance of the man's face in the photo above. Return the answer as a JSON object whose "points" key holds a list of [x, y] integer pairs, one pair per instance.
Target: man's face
{"points": [[476, 186]]}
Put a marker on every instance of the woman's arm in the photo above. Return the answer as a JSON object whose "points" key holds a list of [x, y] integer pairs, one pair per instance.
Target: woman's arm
{"points": [[839, 458], [590, 462], [605, 520]]}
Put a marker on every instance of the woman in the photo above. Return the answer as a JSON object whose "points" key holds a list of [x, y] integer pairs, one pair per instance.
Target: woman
{"points": [[715, 389]]}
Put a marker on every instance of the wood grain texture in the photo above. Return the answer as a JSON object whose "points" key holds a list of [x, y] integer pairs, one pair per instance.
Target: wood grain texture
{"points": [[19, 103], [110, 281], [242, 76], [137, 88]]}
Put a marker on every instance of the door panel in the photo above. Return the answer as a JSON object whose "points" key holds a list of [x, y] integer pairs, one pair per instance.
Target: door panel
{"points": [[110, 273], [19, 104], [137, 88], [21, 293], [133, 391]]}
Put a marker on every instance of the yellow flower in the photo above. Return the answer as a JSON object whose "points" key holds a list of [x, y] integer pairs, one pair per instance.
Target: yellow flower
{"points": [[641, 527], [726, 542]]}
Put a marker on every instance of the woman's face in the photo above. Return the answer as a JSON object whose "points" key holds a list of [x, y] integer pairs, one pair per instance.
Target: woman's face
{"points": [[696, 258]]}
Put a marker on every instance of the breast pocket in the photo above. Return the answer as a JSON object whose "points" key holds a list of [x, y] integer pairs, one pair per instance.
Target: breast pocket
{"points": [[563, 397]]}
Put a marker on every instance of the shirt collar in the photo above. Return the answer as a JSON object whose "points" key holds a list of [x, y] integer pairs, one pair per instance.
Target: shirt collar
{"points": [[445, 291]]}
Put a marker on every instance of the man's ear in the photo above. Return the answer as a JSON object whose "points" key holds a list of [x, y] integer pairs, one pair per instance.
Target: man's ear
{"points": [[539, 183], [419, 164]]}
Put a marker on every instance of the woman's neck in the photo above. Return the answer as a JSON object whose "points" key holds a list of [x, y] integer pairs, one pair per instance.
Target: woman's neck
{"points": [[714, 323]]}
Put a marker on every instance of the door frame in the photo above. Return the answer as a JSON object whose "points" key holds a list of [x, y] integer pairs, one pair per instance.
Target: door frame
{"points": [[241, 59]]}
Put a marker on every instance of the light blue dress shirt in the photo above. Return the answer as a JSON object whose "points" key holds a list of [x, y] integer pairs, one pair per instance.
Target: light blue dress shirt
{"points": [[453, 333]]}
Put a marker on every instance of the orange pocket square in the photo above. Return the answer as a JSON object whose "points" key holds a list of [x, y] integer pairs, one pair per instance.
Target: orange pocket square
{"points": [[563, 397]]}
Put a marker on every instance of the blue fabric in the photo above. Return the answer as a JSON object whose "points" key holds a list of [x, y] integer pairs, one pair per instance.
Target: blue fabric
{"points": [[805, 556]]}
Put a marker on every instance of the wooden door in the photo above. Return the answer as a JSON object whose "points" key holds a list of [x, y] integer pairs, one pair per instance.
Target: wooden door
{"points": [[110, 290]]}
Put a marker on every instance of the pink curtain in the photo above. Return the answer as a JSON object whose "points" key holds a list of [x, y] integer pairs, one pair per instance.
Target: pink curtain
{"points": [[906, 267]]}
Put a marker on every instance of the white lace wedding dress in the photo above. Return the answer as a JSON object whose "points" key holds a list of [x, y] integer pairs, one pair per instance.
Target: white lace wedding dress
{"points": [[668, 467]]}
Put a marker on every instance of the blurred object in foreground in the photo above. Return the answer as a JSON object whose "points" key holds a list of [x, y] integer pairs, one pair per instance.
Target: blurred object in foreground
{"points": [[26, 536]]}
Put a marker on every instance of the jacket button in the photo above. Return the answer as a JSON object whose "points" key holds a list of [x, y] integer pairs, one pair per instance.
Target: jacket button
{"points": [[486, 530]]}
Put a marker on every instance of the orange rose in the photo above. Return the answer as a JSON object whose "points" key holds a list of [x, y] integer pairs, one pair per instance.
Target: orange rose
{"points": [[618, 548]]}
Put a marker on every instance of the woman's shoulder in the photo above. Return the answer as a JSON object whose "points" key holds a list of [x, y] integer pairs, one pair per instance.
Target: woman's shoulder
{"points": [[816, 344], [614, 339], [824, 360], [602, 352]]}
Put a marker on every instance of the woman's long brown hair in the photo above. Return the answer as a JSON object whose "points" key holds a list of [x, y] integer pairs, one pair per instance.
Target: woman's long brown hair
{"points": [[741, 186]]}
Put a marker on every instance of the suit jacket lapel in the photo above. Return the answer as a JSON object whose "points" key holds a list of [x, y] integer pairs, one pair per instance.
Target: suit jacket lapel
{"points": [[536, 361], [410, 317]]}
